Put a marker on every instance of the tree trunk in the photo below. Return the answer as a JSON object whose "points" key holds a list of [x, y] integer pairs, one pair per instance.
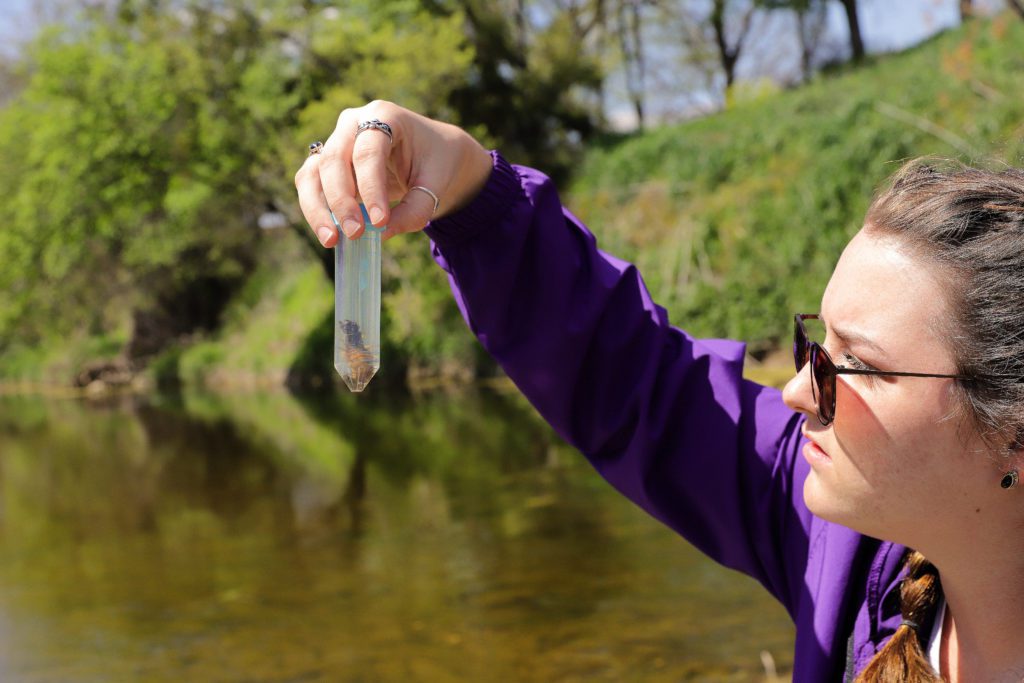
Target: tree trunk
{"points": [[1017, 6], [629, 35], [802, 33], [729, 56], [856, 43], [641, 67], [966, 10], [521, 25]]}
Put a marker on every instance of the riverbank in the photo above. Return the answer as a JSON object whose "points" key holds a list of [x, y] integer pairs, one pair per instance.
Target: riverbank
{"points": [[773, 374]]}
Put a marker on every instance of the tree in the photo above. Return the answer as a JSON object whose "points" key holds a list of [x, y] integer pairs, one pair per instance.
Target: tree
{"points": [[728, 53], [529, 78], [853, 23], [811, 18], [117, 184], [631, 44], [708, 39], [966, 10], [149, 138], [1017, 6], [812, 22]]}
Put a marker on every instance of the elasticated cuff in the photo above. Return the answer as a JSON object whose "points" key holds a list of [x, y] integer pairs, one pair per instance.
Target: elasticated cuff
{"points": [[503, 187]]}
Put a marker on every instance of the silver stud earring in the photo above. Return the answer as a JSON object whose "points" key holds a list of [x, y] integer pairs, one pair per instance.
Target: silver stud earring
{"points": [[1009, 479]]}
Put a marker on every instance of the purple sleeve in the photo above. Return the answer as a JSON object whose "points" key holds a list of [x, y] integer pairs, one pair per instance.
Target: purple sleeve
{"points": [[667, 419]]}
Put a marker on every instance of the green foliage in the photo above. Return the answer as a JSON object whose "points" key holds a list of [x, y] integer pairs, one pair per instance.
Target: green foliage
{"points": [[198, 364], [265, 326], [140, 152], [737, 220], [118, 175], [165, 368]]}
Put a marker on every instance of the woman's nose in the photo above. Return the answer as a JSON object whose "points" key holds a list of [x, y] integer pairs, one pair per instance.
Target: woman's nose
{"points": [[797, 392]]}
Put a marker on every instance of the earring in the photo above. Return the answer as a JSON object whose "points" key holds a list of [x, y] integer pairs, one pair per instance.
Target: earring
{"points": [[1009, 479]]}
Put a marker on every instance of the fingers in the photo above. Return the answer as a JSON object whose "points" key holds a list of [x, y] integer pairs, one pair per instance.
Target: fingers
{"points": [[311, 201], [411, 214], [356, 168], [371, 150], [336, 177]]}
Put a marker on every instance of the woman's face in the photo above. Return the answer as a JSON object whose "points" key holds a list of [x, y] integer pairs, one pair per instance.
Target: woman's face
{"points": [[893, 458]]}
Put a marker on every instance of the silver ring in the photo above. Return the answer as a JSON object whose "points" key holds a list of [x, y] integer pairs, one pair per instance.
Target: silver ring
{"points": [[315, 147], [376, 124], [437, 202]]}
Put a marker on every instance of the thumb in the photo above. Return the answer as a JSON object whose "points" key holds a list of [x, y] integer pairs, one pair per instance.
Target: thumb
{"points": [[413, 212]]}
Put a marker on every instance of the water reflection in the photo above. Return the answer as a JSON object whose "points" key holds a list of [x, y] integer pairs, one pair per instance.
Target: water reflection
{"points": [[264, 537]]}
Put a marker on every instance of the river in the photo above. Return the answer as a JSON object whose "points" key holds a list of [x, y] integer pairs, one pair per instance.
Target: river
{"points": [[265, 537]]}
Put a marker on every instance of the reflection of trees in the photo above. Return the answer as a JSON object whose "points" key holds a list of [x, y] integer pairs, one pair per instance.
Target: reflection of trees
{"points": [[437, 434], [159, 462], [311, 461], [519, 525], [355, 492], [210, 464], [61, 455]]}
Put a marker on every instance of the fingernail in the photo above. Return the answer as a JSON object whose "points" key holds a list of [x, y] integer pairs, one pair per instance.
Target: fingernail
{"points": [[324, 234], [376, 215], [350, 226]]}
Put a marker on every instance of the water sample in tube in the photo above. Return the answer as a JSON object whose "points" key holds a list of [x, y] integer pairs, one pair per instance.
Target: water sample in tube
{"points": [[357, 305]]}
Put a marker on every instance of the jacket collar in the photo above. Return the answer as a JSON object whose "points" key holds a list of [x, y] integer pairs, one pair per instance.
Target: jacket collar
{"points": [[882, 605]]}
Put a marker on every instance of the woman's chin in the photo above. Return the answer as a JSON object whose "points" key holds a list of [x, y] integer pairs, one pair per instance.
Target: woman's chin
{"points": [[832, 506], [820, 501]]}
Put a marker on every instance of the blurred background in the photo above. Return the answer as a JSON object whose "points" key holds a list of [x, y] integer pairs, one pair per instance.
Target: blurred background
{"points": [[187, 490]]}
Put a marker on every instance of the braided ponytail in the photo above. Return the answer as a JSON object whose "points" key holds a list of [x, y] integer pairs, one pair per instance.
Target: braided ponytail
{"points": [[903, 660]]}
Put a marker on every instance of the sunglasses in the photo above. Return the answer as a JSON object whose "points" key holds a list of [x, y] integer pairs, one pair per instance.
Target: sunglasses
{"points": [[824, 371]]}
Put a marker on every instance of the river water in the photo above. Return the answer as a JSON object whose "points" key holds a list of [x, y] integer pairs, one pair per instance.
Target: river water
{"points": [[264, 537]]}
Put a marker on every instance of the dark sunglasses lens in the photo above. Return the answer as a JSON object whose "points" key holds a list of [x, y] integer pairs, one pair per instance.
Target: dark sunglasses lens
{"points": [[825, 381], [799, 345]]}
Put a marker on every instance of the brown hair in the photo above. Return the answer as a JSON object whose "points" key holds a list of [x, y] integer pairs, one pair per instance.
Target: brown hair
{"points": [[902, 660], [968, 222]]}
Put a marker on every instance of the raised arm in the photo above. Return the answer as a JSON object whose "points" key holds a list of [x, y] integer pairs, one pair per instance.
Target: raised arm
{"points": [[667, 419]]}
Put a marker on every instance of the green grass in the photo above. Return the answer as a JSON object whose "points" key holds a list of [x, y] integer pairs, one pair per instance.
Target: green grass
{"points": [[736, 220]]}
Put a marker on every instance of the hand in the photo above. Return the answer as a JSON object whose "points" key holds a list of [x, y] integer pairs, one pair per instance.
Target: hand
{"points": [[367, 167]]}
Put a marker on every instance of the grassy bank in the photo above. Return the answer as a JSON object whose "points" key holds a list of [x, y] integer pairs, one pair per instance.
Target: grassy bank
{"points": [[736, 220]]}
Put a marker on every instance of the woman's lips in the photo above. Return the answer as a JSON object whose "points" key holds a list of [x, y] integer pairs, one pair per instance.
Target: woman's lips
{"points": [[815, 449]]}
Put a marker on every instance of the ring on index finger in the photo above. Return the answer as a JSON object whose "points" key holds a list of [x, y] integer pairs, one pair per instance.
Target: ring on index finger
{"points": [[376, 124]]}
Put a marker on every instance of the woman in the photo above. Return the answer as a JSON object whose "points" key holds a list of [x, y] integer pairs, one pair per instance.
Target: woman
{"points": [[913, 441]]}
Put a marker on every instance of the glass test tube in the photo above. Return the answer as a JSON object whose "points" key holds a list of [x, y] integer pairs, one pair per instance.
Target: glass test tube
{"points": [[357, 305]]}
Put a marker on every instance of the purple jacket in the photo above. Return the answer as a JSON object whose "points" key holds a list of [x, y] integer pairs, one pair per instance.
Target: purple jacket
{"points": [[667, 419]]}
